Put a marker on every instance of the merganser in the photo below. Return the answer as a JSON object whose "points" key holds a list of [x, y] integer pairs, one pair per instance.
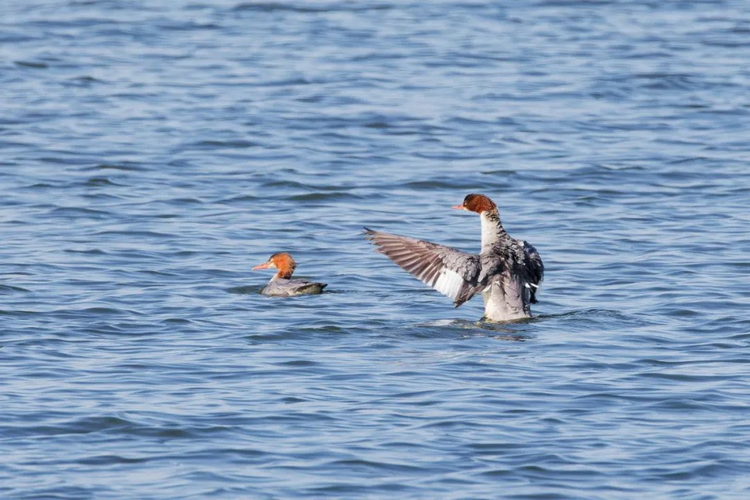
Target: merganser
{"points": [[281, 285], [507, 271]]}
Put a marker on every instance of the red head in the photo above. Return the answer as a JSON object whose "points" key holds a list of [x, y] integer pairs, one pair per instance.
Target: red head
{"points": [[281, 261], [477, 203]]}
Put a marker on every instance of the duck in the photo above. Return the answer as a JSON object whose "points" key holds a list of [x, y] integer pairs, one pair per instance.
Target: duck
{"points": [[507, 271], [282, 284]]}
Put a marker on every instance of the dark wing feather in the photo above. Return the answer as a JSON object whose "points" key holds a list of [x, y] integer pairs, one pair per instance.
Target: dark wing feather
{"points": [[534, 268], [449, 271]]}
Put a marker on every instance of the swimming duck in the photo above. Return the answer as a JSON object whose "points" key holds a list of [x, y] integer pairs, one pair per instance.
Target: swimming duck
{"points": [[282, 284], [507, 271]]}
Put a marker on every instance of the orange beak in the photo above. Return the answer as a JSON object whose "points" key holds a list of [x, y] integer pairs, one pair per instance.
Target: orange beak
{"points": [[262, 266], [459, 207]]}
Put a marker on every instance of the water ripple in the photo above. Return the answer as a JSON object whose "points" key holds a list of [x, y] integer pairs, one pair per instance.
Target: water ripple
{"points": [[140, 185]]}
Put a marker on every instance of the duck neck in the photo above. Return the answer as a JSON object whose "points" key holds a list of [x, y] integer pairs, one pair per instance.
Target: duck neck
{"points": [[284, 273], [492, 229]]}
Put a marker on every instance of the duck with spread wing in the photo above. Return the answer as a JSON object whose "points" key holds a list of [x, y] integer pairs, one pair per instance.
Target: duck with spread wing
{"points": [[507, 271]]}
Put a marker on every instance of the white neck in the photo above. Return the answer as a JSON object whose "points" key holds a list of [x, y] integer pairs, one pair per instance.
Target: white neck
{"points": [[491, 230]]}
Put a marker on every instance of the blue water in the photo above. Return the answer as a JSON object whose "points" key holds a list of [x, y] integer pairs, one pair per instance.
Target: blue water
{"points": [[152, 152]]}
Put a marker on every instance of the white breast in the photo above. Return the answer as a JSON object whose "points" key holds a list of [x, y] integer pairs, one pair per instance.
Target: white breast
{"points": [[503, 301]]}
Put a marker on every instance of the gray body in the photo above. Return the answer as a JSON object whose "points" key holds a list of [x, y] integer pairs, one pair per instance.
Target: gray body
{"points": [[280, 287], [512, 272]]}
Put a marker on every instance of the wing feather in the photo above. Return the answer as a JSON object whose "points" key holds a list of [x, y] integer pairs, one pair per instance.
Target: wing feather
{"points": [[534, 268], [449, 271]]}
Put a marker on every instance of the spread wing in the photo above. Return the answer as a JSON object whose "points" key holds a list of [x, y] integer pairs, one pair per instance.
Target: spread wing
{"points": [[449, 271], [534, 268]]}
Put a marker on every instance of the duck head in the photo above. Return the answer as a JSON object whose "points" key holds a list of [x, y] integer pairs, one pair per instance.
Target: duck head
{"points": [[281, 261]]}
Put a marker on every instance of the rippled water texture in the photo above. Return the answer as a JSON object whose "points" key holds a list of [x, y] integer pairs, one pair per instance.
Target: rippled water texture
{"points": [[152, 152]]}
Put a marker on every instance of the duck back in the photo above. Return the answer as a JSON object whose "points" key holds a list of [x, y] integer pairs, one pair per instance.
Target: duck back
{"points": [[290, 287]]}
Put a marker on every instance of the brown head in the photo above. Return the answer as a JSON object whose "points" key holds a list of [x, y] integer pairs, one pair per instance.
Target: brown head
{"points": [[477, 203], [281, 261]]}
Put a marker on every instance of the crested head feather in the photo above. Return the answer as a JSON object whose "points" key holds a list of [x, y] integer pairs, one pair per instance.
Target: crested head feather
{"points": [[479, 203]]}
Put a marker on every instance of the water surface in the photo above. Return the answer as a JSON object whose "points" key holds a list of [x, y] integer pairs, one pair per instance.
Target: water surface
{"points": [[151, 153]]}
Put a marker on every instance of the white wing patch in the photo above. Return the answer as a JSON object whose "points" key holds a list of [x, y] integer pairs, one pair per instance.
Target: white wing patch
{"points": [[449, 283], [449, 271]]}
